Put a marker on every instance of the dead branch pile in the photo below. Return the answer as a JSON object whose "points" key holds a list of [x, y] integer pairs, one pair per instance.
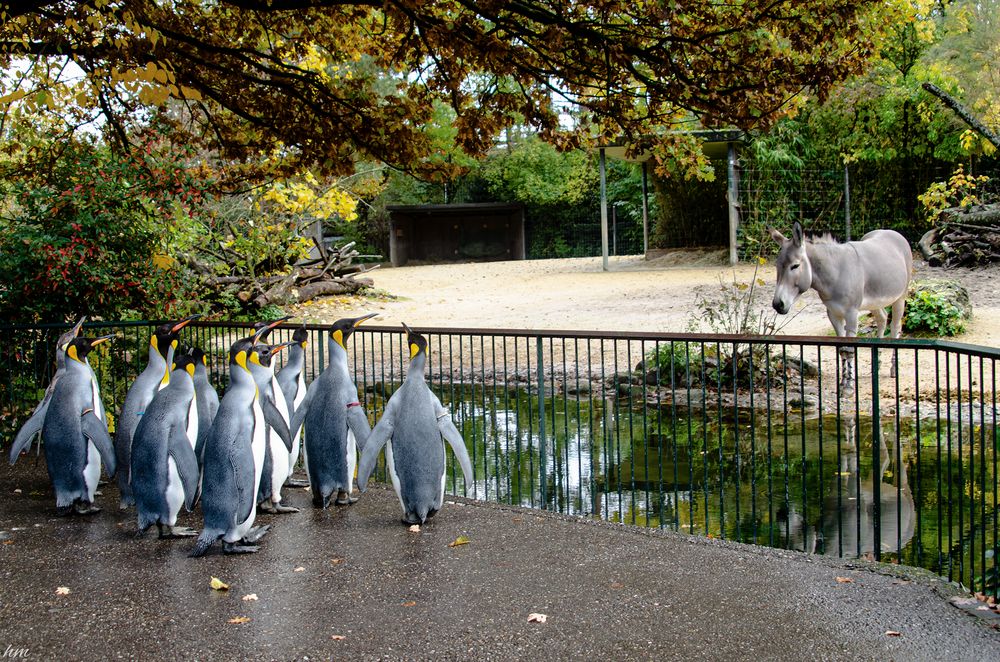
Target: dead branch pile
{"points": [[332, 273], [964, 237]]}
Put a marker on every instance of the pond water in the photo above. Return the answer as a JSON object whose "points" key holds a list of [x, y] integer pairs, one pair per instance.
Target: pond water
{"points": [[919, 493]]}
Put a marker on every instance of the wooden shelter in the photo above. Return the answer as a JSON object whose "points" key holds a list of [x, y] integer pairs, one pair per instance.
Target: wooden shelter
{"points": [[474, 232]]}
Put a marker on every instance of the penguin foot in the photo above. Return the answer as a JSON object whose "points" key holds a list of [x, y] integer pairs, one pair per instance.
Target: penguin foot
{"points": [[297, 482], [85, 508], [321, 501], [345, 499], [255, 534], [267, 506], [178, 532], [64, 511], [233, 548], [278, 508]]}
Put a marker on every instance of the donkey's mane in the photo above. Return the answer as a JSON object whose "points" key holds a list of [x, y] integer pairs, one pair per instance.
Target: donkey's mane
{"points": [[825, 238]]}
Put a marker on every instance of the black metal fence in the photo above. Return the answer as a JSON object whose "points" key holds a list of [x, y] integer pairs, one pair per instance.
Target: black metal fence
{"points": [[755, 439]]}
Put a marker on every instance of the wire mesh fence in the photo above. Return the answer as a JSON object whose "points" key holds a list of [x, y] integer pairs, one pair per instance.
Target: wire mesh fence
{"points": [[755, 439]]}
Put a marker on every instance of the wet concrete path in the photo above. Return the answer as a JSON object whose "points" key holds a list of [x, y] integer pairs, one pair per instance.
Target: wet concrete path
{"points": [[354, 583]]}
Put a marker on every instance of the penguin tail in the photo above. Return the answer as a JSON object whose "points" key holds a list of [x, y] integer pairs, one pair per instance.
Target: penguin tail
{"points": [[205, 540]]}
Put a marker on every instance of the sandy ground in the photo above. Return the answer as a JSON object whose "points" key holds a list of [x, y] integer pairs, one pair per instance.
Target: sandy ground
{"points": [[635, 294]]}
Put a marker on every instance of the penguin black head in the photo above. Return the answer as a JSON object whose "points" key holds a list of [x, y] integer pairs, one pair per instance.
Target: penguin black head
{"points": [[184, 362], [239, 352], [262, 354], [166, 335], [78, 348], [264, 328], [342, 329], [198, 355], [301, 336], [417, 343]]}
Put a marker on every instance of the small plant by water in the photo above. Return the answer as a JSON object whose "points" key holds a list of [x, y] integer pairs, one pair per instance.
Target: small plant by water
{"points": [[932, 313]]}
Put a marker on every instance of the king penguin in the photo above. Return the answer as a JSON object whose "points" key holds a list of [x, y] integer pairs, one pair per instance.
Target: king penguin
{"points": [[334, 424], [165, 471], [34, 423], [411, 428], [292, 380], [276, 452], [207, 398], [75, 439], [162, 344], [234, 457]]}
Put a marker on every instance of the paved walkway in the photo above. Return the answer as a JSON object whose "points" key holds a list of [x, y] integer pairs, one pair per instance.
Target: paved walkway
{"points": [[353, 583]]}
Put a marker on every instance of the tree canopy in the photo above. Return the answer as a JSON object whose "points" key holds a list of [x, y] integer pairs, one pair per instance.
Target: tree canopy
{"points": [[324, 83]]}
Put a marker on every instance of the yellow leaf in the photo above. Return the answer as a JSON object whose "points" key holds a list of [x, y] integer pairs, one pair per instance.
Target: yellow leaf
{"points": [[63, 590], [415, 528], [844, 580], [537, 618], [410, 603], [250, 597], [337, 637], [461, 540], [240, 619], [219, 585]]}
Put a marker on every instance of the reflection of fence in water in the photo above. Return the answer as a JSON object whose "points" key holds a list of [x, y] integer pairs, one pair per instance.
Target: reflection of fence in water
{"points": [[743, 438]]}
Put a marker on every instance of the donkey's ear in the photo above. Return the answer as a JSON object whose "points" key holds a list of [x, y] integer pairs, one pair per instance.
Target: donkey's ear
{"points": [[777, 236], [797, 234]]}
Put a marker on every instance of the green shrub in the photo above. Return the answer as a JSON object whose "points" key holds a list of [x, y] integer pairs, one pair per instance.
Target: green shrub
{"points": [[932, 313]]}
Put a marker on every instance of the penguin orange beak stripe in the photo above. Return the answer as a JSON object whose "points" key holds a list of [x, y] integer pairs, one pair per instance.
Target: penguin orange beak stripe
{"points": [[184, 322], [361, 319], [97, 341]]}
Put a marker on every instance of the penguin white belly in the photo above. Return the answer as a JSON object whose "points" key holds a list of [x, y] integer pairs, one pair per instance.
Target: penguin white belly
{"points": [[293, 457], [192, 426], [92, 471], [390, 466], [95, 394], [352, 460], [444, 479], [279, 467], [174, 492]]}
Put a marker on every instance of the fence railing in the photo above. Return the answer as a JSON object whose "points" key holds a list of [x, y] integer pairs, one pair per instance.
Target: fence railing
{"points": [[755, 439]]}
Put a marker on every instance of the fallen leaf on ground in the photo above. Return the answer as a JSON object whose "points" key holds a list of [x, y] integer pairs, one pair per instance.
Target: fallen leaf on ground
{"points": [[62, 590], [250, 597], [461, 540], [298, 569], [337, 637], [617, 585], [17, 491], [893, 633], [218, 585], [240, 619], [844, 580], [415, 528], [336, 561], [410, 603], [8, 542], [537, 618]]}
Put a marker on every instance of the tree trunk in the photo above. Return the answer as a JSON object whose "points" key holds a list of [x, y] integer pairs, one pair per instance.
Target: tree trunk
{"points": [[963, 113]]}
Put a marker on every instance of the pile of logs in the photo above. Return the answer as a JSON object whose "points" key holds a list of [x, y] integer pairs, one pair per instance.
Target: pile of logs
{"points": [[331, 273], [964, 237]]}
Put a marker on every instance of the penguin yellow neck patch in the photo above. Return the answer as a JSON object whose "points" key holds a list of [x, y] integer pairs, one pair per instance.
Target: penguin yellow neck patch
{"points": [[241, 359], [190, 368], [73, 353], [414, 349], [255, 358], [154, 343], [338, 337]]}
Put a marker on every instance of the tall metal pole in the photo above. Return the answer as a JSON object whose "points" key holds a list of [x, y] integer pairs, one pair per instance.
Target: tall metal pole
{"points": [[847, 202], [733, 194], [604, 210], [645, 210]]}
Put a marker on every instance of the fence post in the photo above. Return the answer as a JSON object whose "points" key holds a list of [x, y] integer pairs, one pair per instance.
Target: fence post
{"points": [[847, 202], [543, 477], [876, 461]]}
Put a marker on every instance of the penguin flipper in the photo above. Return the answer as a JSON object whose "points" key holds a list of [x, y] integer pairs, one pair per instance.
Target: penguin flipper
{"points": [[357, 422], [96, 432], [299, 416], [277, 422], [373, 445], [179, 448], [454, 438], [30, 428]]}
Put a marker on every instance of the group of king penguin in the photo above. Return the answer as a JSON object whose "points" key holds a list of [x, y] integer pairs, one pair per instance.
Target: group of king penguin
{"points": [[177, 443]]}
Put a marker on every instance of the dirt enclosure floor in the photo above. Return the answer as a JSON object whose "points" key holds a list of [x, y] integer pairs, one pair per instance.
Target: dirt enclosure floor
{"points": [[635, 294]]}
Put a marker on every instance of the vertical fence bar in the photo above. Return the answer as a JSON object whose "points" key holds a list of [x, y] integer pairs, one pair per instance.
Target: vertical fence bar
{"points": [[542, 443], [876, 460]]}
